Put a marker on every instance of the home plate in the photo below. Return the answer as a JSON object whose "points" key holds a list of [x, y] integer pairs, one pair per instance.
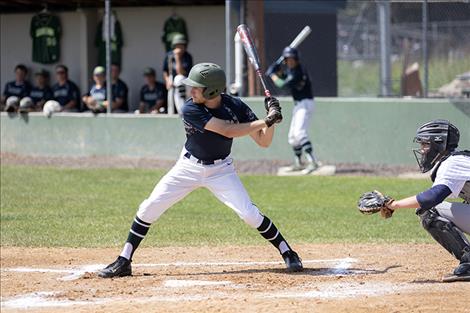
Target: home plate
{"points": [[324, 170]]}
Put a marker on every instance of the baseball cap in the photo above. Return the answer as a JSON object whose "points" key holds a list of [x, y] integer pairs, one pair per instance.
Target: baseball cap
{"points": [[42, 72], [99, 70], [178, 39], [149, 71]]}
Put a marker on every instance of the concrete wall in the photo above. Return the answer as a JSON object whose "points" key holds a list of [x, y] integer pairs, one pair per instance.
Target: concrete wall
{"points": [[142, 30], [376, 131], [16, 44]]}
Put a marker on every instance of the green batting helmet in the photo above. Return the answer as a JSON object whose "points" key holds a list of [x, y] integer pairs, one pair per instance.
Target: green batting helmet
{"points": [[209, 76]]}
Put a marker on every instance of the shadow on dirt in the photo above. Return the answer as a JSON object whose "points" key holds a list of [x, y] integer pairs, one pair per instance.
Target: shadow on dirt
{"points": [[319, 271]]}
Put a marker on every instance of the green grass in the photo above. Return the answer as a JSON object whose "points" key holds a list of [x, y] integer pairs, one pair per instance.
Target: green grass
{"points": [[94, 208], [364, 79]]}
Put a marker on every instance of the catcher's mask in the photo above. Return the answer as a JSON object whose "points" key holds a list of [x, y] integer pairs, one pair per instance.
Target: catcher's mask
{"points": [[437, 139]]}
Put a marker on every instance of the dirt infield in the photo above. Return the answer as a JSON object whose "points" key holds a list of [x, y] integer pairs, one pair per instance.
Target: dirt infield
{"points": [[337, 278]]}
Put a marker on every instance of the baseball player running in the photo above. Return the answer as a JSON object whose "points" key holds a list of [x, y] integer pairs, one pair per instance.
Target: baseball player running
{"points": [[445, 221], [211, 120], [295, 78]]}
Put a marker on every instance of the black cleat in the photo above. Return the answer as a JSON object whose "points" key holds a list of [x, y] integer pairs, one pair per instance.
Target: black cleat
{"points": [[293, 261], [119, 268], [461, 273]]}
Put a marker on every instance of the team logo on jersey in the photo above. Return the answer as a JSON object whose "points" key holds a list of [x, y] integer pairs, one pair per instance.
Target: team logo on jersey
{"points": [[234, 117], [190, 129]]}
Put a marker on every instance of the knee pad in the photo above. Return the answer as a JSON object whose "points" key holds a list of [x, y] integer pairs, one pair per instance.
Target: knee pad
{"points": [[444, 232]]}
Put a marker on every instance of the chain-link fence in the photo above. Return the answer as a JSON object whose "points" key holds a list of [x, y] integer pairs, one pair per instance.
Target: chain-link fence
{"points": [[447, 48]]}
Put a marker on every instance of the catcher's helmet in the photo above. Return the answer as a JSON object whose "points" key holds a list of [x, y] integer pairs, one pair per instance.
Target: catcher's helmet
{"points": [[209, 76], [289, 52], [442, 138]]}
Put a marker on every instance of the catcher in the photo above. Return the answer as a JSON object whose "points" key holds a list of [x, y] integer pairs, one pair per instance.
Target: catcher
{"points": [[445, 221]]}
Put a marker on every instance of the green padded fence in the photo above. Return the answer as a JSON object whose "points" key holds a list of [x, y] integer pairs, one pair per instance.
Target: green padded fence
{"points": [[359, 130]]}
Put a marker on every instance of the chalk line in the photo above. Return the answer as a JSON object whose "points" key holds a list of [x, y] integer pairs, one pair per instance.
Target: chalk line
{"points": [[44, 299], [178, 283], [77, 272]]}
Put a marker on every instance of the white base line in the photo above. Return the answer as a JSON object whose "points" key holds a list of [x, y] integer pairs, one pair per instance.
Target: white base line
{"points": [[341, 267], [240, 263]]}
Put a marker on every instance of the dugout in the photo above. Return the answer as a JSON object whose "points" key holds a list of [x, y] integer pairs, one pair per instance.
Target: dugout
{"points": [[142, 24]]}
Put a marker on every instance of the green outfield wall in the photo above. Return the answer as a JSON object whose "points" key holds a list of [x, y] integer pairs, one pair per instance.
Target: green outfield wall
{"points": [[359, 130]]}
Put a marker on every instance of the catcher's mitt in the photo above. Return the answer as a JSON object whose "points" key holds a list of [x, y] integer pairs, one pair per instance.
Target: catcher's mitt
{"points": [[373, 202]]}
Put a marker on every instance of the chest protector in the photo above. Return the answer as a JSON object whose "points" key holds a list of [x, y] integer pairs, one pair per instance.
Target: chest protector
{"points": [[465, 192]]}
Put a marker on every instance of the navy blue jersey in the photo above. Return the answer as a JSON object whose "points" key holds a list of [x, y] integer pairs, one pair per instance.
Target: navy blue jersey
{"points": [[120, 90], [207, 145], [66, 93], [20, 90], [295, 79], [97, 93], [151, 96], [186, 60], [40, 94]]}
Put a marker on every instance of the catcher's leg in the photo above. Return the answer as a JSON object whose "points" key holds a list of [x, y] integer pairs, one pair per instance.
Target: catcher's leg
{"points": [[440, 222], [459, 214], [444, 231]]}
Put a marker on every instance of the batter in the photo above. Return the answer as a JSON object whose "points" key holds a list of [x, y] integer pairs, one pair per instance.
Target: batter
{"points": [[294, 77], [211, 120]]}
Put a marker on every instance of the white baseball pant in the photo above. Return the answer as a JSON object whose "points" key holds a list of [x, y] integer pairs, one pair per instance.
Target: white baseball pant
{"points": [[456, 212], [188, 175], [179, 92], [301, 116]]}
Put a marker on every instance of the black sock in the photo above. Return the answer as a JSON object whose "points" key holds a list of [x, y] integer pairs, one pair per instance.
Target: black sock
{"points": [[137, 232], [269, 231], [308, 149], [297, 151]]}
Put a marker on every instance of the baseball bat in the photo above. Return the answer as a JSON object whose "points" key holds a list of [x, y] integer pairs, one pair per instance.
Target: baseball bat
{"points": [[252, 54], [297, 40]]}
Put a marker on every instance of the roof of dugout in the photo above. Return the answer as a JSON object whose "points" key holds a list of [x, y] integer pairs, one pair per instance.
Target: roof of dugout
{"points": [[17, 6]]}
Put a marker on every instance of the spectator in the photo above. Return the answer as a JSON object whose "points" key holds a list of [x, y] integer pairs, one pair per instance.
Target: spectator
{"points": [[40, 92], [65, 92], [153, 94], [95, 99], [120, 91], [181, 63], [15, 90]]}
